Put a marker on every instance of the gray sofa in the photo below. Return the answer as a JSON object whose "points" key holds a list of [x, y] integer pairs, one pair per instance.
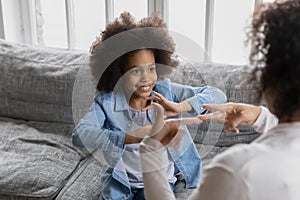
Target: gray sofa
{"points": [[44, 92]]}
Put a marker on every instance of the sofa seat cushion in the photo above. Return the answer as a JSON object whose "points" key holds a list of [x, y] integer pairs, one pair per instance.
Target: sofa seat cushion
{"points": [[212, 133], [34, 163], [85, 183]]}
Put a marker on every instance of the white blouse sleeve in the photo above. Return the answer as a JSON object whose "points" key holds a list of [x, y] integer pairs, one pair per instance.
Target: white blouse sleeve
{"points": [[265, 121], [222, 179], [156, 185]]}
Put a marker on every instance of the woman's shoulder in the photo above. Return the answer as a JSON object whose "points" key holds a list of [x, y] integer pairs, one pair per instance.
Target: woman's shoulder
{"points": [[238, 156]]}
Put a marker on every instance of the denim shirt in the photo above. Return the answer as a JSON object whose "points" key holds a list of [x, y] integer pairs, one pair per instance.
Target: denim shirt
{"points": [[105, 125]]}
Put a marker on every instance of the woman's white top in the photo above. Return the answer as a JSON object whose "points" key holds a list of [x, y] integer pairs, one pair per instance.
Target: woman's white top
{"points": [[266, 169]]}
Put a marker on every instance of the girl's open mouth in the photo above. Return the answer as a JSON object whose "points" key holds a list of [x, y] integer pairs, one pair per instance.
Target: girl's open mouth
{"points": [[145, 88]]}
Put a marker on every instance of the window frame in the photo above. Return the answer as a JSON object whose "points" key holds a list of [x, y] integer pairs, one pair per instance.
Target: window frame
{"points": [[2, 35], [31, 26]]}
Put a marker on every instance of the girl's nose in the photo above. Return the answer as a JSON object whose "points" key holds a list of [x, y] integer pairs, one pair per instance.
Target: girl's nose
{"points": [[145, 75]]}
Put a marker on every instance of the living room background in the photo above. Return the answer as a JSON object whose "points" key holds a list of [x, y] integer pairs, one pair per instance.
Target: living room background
{"points": [[217, 26]]}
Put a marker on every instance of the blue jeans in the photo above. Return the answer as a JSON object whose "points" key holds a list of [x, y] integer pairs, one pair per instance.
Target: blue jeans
{"points": [[138, 194]]}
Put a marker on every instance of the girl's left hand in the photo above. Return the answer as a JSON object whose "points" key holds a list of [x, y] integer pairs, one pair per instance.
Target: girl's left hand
{"points": [[171, 108]]}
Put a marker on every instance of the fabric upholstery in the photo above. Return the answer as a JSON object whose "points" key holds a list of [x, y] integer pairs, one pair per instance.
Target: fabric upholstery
{"points": [[85, 183], [36, 83], [34, 164]]}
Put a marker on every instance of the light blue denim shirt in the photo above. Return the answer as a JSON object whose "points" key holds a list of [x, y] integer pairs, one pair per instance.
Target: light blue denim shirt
{"points": [[105, 125]]}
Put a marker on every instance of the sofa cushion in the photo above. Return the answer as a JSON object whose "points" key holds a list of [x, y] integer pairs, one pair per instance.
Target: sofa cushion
{"points": [[33, 163], [231, 80], [36, 83], [187, 73], [212, 133], [85, 183]]}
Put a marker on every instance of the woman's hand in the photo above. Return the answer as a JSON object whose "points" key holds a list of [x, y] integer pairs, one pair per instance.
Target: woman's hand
{"points": [[137, 135], [171, 108], [167, 132], [232, 114]]}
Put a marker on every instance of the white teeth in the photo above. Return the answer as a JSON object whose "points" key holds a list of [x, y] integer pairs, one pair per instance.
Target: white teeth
{"points": [[145, 88]]}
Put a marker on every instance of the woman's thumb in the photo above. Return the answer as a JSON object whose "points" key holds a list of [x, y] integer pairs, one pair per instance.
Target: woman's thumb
{"points": [[159, 119]]}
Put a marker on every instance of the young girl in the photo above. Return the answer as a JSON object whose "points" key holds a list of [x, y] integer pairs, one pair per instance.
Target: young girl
{"points": [[122, 112]]}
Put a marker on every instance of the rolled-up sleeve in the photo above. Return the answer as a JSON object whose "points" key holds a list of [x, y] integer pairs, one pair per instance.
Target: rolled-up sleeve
{"points": [[90, 133], [197, 96]]}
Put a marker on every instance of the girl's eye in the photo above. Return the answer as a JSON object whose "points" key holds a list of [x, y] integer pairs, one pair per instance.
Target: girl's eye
{"points": [[152, 69], [135, 71]]}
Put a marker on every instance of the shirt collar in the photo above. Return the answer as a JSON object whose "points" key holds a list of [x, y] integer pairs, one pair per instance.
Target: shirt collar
{"points": [[120, 100]]}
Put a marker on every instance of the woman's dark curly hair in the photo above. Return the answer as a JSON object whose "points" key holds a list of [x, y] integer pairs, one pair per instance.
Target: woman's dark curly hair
{"points": [[128, 36], [275, 38]]}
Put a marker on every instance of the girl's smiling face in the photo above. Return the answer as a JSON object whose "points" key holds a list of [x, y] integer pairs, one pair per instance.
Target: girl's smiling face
{"points": [[140, 74]]}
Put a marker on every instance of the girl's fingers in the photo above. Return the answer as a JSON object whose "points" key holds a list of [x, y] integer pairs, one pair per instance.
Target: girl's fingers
{"points": [[215, 107], [148, 107], [153, 98], [190, 120], [184, 121], [159, 95]]}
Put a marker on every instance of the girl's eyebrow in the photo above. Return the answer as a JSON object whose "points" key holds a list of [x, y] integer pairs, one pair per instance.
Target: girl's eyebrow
{"points": [[146, 65]]}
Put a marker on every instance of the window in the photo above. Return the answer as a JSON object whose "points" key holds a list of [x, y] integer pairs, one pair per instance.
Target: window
{"points": [[191, 21], [10, 13], [230, 20], [188, 22], [89, 22], [137, 8], [216, 26], [54, 23]]}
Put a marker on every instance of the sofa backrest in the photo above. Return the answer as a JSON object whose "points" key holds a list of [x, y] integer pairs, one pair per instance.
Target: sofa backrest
{"points": [[231, 79], [36, 83]]}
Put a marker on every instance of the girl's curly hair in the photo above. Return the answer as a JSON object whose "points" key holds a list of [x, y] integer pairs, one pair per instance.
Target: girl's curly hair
{"points": [[107, 66], [275, 38]]}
